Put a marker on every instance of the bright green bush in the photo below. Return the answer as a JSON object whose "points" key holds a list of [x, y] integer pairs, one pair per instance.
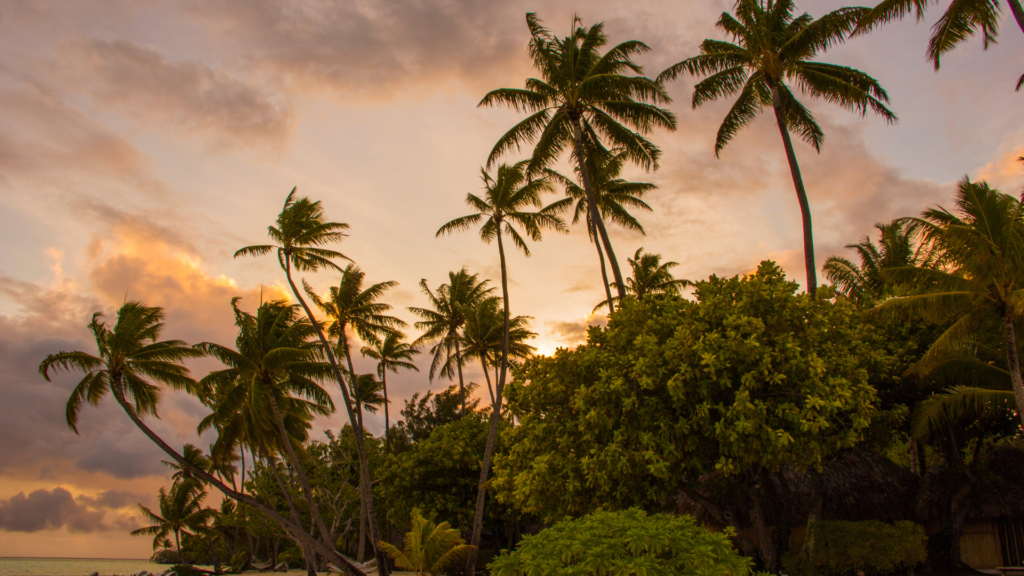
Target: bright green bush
{"points": [[624, 543], [877, 548]]}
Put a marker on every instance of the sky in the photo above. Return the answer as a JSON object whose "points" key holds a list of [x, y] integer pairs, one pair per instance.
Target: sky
{"points": [[142, 143]]}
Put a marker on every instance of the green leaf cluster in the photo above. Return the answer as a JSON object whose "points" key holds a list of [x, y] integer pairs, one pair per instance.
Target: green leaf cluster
{"points": [[624, 543], [872, 547], [748, 377]]}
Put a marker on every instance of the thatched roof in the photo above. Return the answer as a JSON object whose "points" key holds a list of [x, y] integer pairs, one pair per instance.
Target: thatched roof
{"points": [[857, 485]]}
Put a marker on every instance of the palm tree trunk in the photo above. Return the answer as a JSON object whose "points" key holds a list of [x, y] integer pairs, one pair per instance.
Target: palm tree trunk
{"points": [[314, 510], [272, 464], [177, 546], [364, 461], [604, 276], [387, 432], [1013, 363], [487, 376], [1018, 12], [492, 433], [592, 209], [458, 364], [801, 195], [287, 525], [361, 549]]}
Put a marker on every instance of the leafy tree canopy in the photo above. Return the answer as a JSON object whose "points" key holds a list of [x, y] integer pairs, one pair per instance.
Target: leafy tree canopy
{"points": [[746, 378]]}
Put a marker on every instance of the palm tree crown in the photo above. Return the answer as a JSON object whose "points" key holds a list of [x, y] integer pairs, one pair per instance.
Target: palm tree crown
{"points": [[587, 101], [181, 513], [868, 281], [391, 354], [651, 276], [772, 46]]}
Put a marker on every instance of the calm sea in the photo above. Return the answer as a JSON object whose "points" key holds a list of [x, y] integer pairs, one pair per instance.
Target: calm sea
{"points": [[75, 566]]}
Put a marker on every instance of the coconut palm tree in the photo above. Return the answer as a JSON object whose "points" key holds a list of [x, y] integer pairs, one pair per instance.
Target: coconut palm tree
{"points": [[429, 548], [130, 358], [501, 211], [961, 20], [442, 321], [982, 280], [614, 198], [181, 514], [195, 457], [300, 235], [772, 47], [867, 281], [483, 336], [650, 276], [274, 362], [392, 353], [586, 101]]}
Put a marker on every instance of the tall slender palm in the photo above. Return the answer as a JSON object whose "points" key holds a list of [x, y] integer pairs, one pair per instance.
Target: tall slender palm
{"points": [[961, 20], [583, 100], [181, 514], [614, 198], [130, 356], [651, 276], [773, 46], [982, 279], [483, 337], [502, 209], [301, 233], [443, 320], [867, 281], [275, 361], [392, 353], [350, 306]]}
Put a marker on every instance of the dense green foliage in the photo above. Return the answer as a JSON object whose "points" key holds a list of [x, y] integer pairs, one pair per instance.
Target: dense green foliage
{"points": [[622, 544], [876, 548], [429, 548], [749, 376]]}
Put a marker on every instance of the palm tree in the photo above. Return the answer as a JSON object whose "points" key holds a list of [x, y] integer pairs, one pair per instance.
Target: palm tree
{"points": [[483, 337], [195, 457], [391, 354], [773, 46], [300, 234], [429, 548], [961, 20], [650, 276], [614, 197], [982, 279], [181, 513], [274, 363], [867, 281], [508, 195], [443, 320], [584, 99]]}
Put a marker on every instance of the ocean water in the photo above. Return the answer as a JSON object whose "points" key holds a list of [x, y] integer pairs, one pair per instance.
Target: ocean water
{"points": [[75, 566]]}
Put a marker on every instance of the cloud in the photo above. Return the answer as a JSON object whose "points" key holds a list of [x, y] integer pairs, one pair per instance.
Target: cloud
{"points": [[572, 333], [49, 510], [186, 96]]}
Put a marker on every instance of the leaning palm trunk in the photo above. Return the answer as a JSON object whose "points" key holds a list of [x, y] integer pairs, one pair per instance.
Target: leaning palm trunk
{"points": [[592, 210], [462, 386], [492, 433], [604, 275], [272, 464], [1018, 12], [299, 471], [364, 462], [290, 527], [387, 428], [1013, 363], [801, 194]]}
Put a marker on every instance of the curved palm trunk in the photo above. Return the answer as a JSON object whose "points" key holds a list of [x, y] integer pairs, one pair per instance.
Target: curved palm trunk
{"points": [[487, 376], [290, 527], [314, 510], [1018, 12], [177, 546], [387, 422], [458, 364], [1013, 363], [492, 433], [801, 195], [364, 462], [592, 210], [604, 276], [272, 464]]}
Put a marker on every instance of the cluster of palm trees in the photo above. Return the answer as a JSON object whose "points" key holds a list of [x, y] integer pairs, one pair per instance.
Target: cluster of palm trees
{"points": [[596, 104]]}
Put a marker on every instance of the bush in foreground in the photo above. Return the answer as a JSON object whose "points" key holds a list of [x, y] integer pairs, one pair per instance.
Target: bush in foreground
{"points": [[624, 543]]}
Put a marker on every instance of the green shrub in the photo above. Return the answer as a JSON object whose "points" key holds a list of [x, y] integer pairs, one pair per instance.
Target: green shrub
{"points": [[183, 570], [877, 548], [624, 543]]}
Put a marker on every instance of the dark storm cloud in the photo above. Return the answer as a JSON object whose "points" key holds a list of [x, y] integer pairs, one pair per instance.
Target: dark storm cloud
{"points": [[48, 510]]}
